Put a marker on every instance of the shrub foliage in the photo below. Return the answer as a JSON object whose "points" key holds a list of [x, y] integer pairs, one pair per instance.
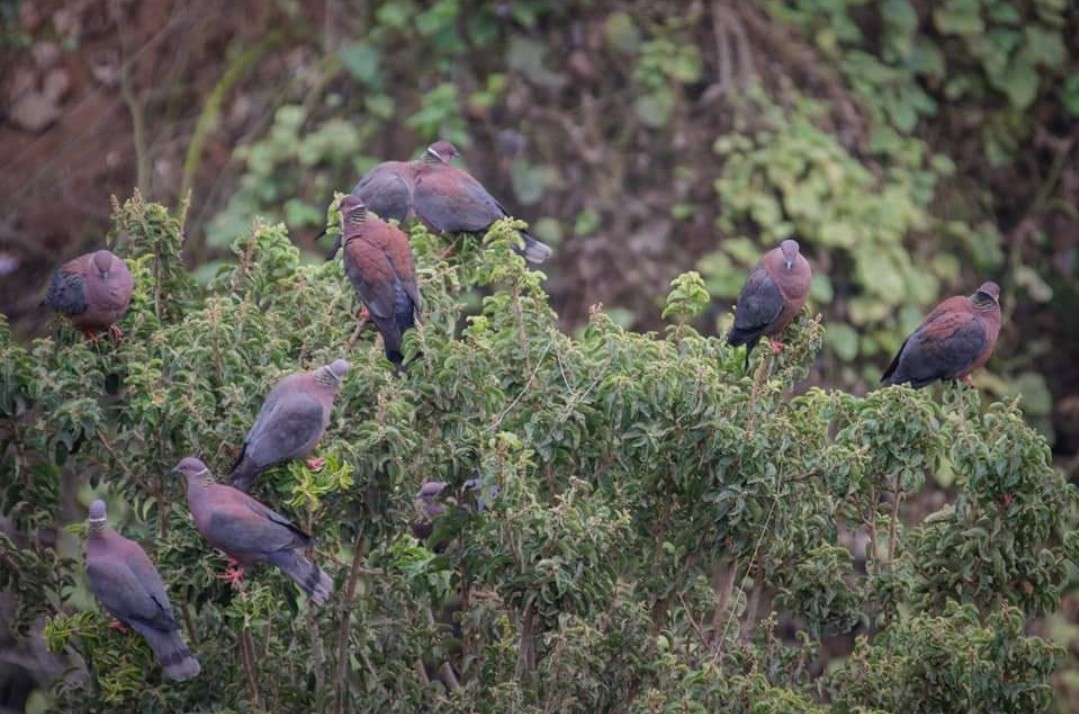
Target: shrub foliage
{"points": [[670, 534]]}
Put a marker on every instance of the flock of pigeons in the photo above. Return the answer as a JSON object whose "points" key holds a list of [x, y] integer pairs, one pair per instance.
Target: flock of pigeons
{"points": [[94, 291]]}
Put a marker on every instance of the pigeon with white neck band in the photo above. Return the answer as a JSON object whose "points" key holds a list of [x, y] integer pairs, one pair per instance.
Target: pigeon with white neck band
{"points": [[126, 583], [249, 532], [290, 423]]}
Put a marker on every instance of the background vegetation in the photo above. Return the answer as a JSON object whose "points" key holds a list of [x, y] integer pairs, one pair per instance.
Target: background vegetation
{"points": [[915, 148]]}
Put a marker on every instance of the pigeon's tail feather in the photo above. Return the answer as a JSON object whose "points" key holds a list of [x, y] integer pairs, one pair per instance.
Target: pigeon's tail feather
{"points": [[317, 584], [535, 251], [175, 658], [743, 335], [334, 248], [244, 473]]}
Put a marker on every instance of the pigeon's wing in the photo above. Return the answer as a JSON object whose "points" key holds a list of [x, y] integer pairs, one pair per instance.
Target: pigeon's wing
{"points": [[243, 525], [450, 200], [386, 192], [285, 429], [67, 293], [127, 593], [759, 305]]}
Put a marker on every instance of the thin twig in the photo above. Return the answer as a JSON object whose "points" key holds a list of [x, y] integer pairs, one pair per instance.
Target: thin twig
{"points": [[185, 608], [346, 617], [317, 657], [724, 587], [524, 390], [247, 654], [892, 525], [518, 318]]}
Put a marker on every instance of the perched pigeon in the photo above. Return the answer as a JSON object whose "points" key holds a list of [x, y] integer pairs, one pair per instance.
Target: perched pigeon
{"points": [[249, 532], [94, 291], [387, 191], [956, 339], [292, 420], [773, 294], [431, 500], [378, 261], [128, 586], [449, 200], [427, 507]]}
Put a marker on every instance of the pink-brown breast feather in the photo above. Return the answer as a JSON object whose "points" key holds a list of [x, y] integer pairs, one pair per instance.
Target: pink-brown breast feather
{"points": [[794, 285], [990, 320], [106, 300], [952, 315]]}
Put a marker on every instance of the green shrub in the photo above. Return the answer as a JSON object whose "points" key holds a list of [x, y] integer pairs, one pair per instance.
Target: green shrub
{"points": [[656, 505]]}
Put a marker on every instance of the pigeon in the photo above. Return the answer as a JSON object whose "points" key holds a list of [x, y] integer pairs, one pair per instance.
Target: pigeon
{"points": [[290, 423], [249, 532], [427, 507], [449, 200], [94, 291], [954, 340], [126, 583], [387, 191], [775, 291], [378, 261], [431, 500]]}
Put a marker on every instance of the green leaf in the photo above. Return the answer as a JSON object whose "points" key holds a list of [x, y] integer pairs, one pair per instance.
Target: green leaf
{"points": [[959, 17], [654, 109], [844, 340], [362, 62]]}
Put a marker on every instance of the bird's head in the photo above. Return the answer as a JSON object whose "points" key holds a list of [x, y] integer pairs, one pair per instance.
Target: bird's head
{"points": [[790, 250], [332, 374], [987, 296], [103, 262], [353, 210], [430, 490], [442, 151], [190, 467], [98, 518]]}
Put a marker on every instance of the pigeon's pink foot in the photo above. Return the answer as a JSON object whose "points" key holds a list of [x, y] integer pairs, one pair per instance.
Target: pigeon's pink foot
{"points": [[364, 314], [234, 573], [118, 626], [965, 379], [316, 463], [116, 333], [1007, 499], [776, 346], [92, 335]]}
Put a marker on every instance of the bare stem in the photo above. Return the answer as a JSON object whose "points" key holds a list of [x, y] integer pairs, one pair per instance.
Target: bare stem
{"points": [[185, 608], [518, 318], [247, 656], [897, 494], [751, 606], [723, 583], [526, 652], [346, 617]]}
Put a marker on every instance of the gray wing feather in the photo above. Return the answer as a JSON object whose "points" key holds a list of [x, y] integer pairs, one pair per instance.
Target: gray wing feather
{"points": [[127, 596], [469, 209], [285, 428], [759, 303], [255, 531], [385, 193], [67, 294]]}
